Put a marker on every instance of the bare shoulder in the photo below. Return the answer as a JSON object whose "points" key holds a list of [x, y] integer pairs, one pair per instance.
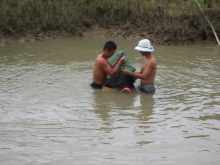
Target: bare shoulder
{"points": [[99, 57], [153, 61], [100, 60]]}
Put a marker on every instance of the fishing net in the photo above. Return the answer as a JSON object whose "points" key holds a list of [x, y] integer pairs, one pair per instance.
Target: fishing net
{"points": [[127, 65], [120, 80]]}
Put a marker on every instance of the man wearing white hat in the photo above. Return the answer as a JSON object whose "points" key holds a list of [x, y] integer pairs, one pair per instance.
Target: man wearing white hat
{"points": [[149, 67]]}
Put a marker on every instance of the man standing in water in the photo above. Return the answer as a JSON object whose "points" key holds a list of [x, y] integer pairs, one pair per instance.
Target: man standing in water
{"points": [[102, 66], [149, 67]]}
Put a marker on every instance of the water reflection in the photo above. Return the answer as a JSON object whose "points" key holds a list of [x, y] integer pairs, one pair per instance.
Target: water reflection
{"points": [[102, 108], [145, 102], [111, 101], [125, 115]]}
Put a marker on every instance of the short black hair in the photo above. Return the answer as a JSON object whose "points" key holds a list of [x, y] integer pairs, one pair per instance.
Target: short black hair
{"points": [[110, 45]]}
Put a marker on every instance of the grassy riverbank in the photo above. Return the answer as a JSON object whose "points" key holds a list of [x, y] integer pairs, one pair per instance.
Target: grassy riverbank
{"points": [[163, 21]]}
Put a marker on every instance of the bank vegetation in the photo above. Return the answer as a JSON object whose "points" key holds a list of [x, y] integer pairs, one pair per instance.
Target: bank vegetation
{"points": [[164, 21]]}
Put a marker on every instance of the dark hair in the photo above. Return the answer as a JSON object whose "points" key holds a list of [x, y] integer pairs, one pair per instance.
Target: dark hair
{"points": [[110, 45]]}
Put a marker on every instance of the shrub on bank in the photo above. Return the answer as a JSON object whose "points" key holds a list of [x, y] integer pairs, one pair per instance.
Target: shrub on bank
{"points": [[172, 15]]}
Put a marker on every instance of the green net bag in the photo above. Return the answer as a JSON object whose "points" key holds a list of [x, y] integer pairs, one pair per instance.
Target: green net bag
{"points": [[127, 65], [119, 80]]}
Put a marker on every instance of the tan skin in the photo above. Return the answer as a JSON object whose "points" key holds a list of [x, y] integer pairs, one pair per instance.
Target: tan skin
{"points": [[148, 70], [102, 66]]}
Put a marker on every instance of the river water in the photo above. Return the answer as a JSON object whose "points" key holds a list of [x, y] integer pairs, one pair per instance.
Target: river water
{"points": [[50, 115]]}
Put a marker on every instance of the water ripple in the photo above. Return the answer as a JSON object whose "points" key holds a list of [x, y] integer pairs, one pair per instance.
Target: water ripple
{"points": [[50, 115]]}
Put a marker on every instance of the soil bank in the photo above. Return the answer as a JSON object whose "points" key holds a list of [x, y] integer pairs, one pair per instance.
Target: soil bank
{"points": [[182, 35]]}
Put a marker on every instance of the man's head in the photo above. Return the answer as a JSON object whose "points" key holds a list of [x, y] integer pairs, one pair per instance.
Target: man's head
{"points": [[144, 46], [109, 48], [110, 45]]}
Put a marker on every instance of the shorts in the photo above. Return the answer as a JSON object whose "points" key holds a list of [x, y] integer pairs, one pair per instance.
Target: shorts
{"points": [[96, 86], [147, 88]]}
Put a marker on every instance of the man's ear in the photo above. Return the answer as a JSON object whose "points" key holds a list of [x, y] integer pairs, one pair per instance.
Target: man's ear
{"points": [[106, 50]]}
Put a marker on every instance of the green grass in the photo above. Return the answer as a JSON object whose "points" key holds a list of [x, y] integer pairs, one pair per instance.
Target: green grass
{"points": [[22, 15]]}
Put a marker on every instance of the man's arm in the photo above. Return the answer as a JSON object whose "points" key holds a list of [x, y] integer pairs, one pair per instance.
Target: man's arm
{"points": [[116, 61], [109, 70], [143, 75]]}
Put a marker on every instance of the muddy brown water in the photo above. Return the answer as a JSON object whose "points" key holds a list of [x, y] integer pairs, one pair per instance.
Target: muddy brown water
{"points": [[50, 115]]}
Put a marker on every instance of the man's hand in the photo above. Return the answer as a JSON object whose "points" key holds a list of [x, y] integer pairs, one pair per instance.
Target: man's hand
{"points": [[120, 55], [122, 60], [125, 71]]}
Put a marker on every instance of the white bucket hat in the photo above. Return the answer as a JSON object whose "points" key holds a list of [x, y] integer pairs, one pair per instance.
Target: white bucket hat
{"points": [[144, 46]]}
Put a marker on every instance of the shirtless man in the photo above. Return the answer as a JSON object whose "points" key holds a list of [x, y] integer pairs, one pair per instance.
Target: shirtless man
{"points": [[102, 66], [149, 67]]}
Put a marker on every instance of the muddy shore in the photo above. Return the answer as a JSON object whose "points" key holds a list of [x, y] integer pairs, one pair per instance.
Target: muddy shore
{"points": [[126, 30]]}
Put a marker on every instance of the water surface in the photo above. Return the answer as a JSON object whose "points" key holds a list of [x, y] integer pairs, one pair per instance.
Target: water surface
{"points": [[50, 115]]}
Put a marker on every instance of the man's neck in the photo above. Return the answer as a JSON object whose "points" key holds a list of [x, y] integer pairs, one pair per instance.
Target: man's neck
{"points": [[102, 55], [148, 55]]}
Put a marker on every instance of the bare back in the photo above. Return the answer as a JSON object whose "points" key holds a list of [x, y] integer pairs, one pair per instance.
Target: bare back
{"points": [[99, 75]]}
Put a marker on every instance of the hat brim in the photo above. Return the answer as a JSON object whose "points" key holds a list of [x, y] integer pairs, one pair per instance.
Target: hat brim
{"points": [[144, 49]]}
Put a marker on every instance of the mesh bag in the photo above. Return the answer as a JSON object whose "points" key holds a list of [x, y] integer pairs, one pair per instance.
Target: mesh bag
{"points": [[127, 65], [120, 80]]}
